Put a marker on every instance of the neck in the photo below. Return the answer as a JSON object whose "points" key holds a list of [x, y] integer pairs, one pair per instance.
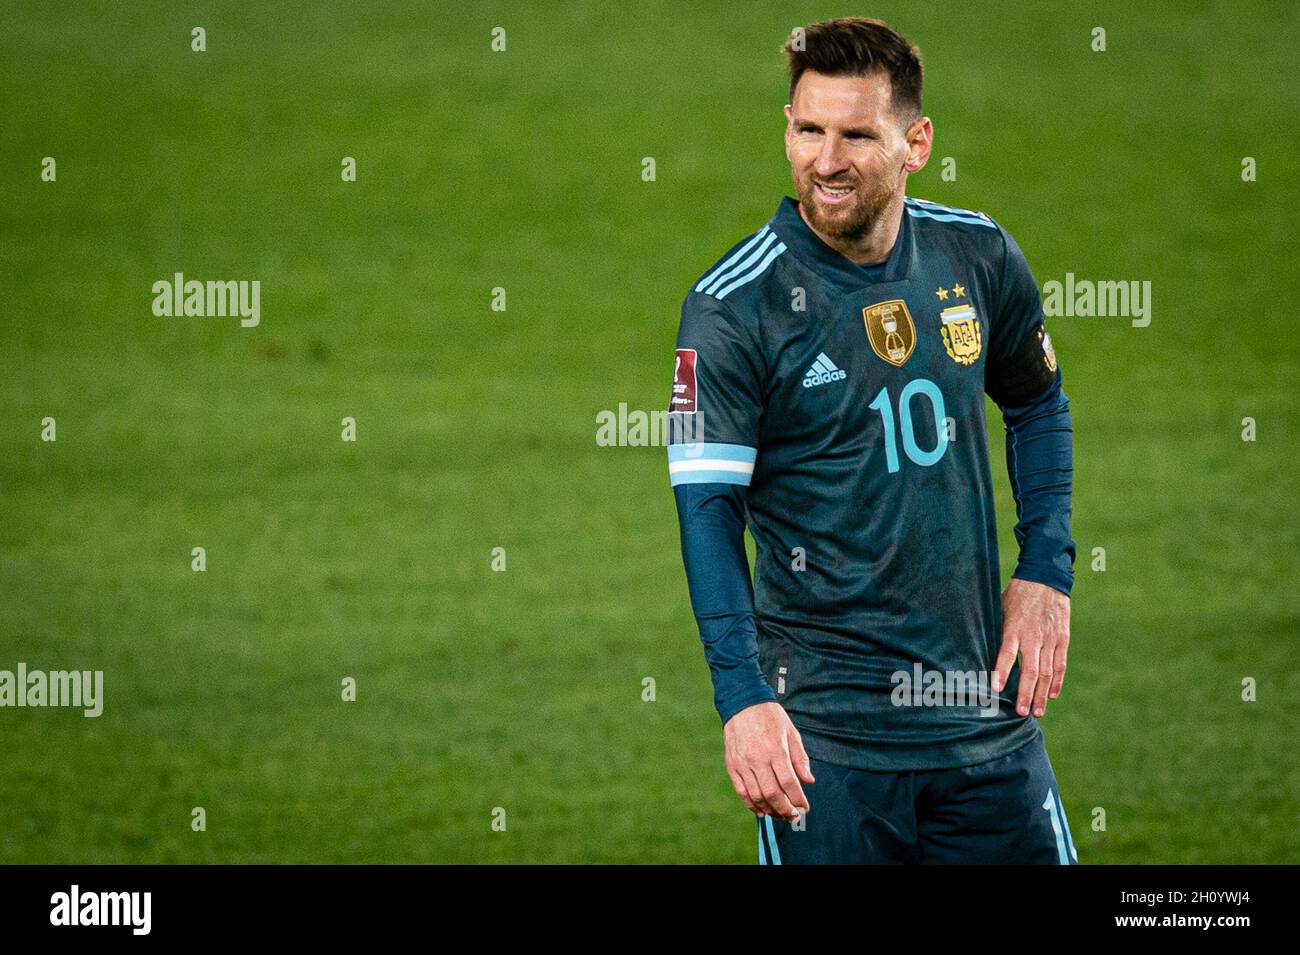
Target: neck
{"points": [[872, 247]]}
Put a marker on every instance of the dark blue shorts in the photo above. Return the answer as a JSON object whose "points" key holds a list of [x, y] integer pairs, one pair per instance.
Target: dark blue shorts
{"points": [[1007, 810]]}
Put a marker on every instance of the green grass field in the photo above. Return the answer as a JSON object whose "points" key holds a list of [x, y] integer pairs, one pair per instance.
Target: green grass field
{"points": [[476, 428]]}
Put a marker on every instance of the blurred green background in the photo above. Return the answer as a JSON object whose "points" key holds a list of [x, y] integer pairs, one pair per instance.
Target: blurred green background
{"points": [[476, 428]]}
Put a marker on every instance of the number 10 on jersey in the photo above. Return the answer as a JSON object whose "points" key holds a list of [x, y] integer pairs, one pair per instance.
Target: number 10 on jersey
{"points": [[922, 386]]}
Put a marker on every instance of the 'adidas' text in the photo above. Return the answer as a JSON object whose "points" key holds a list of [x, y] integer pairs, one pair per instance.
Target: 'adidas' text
{"points": [[823, 370]]}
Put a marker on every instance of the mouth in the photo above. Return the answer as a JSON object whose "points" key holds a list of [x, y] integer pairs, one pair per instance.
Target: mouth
{"points": [[833, 195]]}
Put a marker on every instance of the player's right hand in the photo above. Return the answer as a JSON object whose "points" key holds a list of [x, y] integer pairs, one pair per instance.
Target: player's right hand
{"points": [[766, 761]]}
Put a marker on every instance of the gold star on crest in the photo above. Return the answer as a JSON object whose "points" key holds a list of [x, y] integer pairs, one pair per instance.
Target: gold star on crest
{"points": [[958, 290], [943, 294]]}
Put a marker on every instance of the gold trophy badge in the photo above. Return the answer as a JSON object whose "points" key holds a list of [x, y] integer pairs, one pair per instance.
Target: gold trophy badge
{"points": [[890, 330]]}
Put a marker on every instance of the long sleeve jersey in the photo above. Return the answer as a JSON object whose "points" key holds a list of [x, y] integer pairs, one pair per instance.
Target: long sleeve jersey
{"points": [[837, 411]]}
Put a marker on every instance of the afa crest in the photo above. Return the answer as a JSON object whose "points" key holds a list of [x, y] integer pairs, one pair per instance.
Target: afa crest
{"points": [[961, 334], [890, 330]]}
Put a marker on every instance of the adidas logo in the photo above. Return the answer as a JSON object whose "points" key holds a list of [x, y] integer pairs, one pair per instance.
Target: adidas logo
{"points": [[823, 371]]}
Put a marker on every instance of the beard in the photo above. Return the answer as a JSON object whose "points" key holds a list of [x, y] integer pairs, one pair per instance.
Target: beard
{"points": [[851, 220]]}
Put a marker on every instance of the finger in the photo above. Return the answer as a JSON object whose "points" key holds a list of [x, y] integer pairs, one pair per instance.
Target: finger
{"points": [[789, 782], [1028, 677], [1005, 661], [799, 756], [738, 784], [1044, 679], [1058, 666], [755, 789], [772, 791]]}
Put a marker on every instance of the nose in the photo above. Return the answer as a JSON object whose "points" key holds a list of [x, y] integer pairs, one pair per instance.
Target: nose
{"points": [[829, 160]]}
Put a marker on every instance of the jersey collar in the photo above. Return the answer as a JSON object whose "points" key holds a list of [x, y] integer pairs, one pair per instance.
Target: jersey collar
{"points": [[809, 248]]}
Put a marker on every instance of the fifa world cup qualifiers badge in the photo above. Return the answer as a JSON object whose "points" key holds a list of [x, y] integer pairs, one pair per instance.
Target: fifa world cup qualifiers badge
{"points": [[684, 382], [890, 330]]}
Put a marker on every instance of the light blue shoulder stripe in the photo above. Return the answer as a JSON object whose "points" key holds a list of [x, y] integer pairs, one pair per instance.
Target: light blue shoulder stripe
{"points": [[740, 253], [757, 271], [937, 210], [940, 207], [739, 267], [916, 213]]}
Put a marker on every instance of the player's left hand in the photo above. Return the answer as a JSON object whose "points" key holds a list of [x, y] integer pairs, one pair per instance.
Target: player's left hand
{"points": [[1035, 622]]}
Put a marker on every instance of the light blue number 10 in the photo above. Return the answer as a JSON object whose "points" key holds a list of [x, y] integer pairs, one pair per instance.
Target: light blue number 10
{"points": [[924, 458]]}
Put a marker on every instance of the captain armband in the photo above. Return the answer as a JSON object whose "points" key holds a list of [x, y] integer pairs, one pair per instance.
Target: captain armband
{"points": [[1024, 374]]}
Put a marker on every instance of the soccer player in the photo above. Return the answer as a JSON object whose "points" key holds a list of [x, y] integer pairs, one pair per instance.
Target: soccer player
{"points": [[829, 393]]}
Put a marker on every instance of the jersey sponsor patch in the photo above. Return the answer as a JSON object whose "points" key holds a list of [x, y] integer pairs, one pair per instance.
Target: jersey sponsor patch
{"points": [[1049, 355], [684, 381]]}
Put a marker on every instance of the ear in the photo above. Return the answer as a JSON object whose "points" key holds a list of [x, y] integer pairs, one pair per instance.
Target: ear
{"points": [[920, 140], [789, 129]]}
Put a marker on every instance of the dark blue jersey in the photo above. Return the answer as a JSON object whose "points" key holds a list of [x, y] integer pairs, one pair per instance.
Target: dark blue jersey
{"points": [[838, 410]]}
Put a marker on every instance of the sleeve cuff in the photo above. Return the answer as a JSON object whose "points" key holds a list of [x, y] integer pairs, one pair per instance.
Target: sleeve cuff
{"points": [[734, 704], [1050, 576]]}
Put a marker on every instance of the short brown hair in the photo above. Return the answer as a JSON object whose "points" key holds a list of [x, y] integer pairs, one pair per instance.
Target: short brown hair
{"points": [[858, 46]]}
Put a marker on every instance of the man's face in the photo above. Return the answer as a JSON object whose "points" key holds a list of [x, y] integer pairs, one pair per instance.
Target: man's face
{"points": [[841, 132]]}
